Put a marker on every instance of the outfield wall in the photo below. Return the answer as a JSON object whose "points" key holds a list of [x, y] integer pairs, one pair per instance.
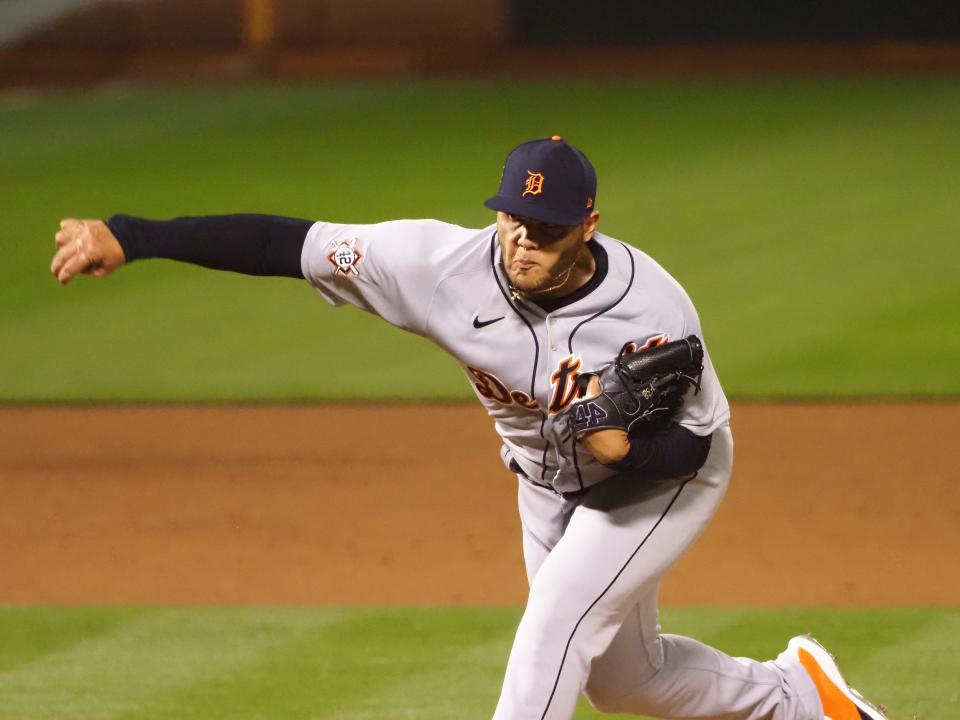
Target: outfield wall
{"points": [[734, 21], [181, 25], [237, 39]]}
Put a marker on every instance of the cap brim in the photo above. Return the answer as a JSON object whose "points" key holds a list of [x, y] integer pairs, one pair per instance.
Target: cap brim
{"points": [[525, 208]]}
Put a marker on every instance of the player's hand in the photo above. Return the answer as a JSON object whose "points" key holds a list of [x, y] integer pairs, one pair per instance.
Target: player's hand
{"points": [[607, 446], [87, 247]]}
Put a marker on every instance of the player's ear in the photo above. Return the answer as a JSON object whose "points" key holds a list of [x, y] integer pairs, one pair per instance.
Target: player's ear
{"points": [[590, 225]]}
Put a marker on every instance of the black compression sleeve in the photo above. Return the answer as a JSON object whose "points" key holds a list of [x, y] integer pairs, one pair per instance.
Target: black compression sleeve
{"points": [[671, 452], [249, 244]]}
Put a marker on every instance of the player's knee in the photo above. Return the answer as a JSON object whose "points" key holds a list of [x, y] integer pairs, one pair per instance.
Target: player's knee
{"points": [[604, 702], [623, 689], [555, 604], [546, 615], [549, 620]]}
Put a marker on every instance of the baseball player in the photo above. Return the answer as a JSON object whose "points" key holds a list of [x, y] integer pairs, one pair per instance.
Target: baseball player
{"points": [[548, 318]]}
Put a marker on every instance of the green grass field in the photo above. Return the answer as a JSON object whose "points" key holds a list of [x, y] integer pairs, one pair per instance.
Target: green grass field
{"points": [[814, 223], [393, 664]]}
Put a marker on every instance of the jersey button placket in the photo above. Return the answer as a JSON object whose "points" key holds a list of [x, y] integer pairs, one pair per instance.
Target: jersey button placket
{"points": [[553, 345]]}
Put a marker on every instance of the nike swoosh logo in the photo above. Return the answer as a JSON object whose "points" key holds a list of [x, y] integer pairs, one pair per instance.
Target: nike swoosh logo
{"points": [[478, 323]]}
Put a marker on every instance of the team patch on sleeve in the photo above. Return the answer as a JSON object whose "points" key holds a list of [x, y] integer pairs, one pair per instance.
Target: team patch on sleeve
{"points": [[345, 257]]}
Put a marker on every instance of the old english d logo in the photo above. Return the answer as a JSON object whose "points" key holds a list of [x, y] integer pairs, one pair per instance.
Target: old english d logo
{"points": [[533, 184]]}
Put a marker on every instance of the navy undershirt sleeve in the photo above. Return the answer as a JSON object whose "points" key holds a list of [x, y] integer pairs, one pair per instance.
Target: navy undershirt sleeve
{"points": [[248, 244], [669, 452]]}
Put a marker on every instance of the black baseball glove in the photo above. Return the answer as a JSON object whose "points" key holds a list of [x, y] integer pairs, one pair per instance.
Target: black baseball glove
{"points": [[646, 386]]}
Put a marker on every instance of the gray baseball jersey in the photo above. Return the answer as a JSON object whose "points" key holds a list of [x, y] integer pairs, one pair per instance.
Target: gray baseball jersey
{"points": [[446, 283], [595, 552]]}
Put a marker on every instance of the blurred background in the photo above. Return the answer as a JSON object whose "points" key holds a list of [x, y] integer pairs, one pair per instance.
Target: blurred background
{"points": [[57, 40], [793, 164], [173, 437]]}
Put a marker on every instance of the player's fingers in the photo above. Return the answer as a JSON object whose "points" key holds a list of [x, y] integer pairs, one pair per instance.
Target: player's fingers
{"points": [[70, 226], [70, 243], [77, 263], [60, 258], [63, 237], [70, 270]]}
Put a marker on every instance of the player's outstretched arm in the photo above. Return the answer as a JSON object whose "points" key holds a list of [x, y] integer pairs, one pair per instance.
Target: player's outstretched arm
{"points": [[85, 247], [248, 244]]}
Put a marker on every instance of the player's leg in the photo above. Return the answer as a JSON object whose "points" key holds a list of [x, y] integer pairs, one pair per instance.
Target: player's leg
{"points": [[645, 673], [616, 547], [578, 599], [544, 516], [619, 541], [633, 657]]}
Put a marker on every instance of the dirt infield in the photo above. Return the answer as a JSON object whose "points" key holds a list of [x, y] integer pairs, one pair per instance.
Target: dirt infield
{"points": [[842, 505]]}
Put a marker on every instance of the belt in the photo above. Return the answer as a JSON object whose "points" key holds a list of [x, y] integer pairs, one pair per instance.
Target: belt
{"points": [[565, 495]]}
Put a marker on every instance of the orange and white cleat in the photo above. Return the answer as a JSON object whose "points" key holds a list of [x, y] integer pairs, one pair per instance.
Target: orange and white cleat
{"points": [[839, 700]]}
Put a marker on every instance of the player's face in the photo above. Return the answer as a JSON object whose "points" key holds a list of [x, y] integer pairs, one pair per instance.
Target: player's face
{"points": [[537, 255]]}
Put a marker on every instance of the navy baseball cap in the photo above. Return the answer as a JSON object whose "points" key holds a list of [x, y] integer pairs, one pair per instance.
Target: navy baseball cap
{"points": [[548, 180]]}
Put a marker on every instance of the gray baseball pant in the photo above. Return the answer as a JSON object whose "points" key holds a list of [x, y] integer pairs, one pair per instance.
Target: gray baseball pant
{"points": [[590, 626]]}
